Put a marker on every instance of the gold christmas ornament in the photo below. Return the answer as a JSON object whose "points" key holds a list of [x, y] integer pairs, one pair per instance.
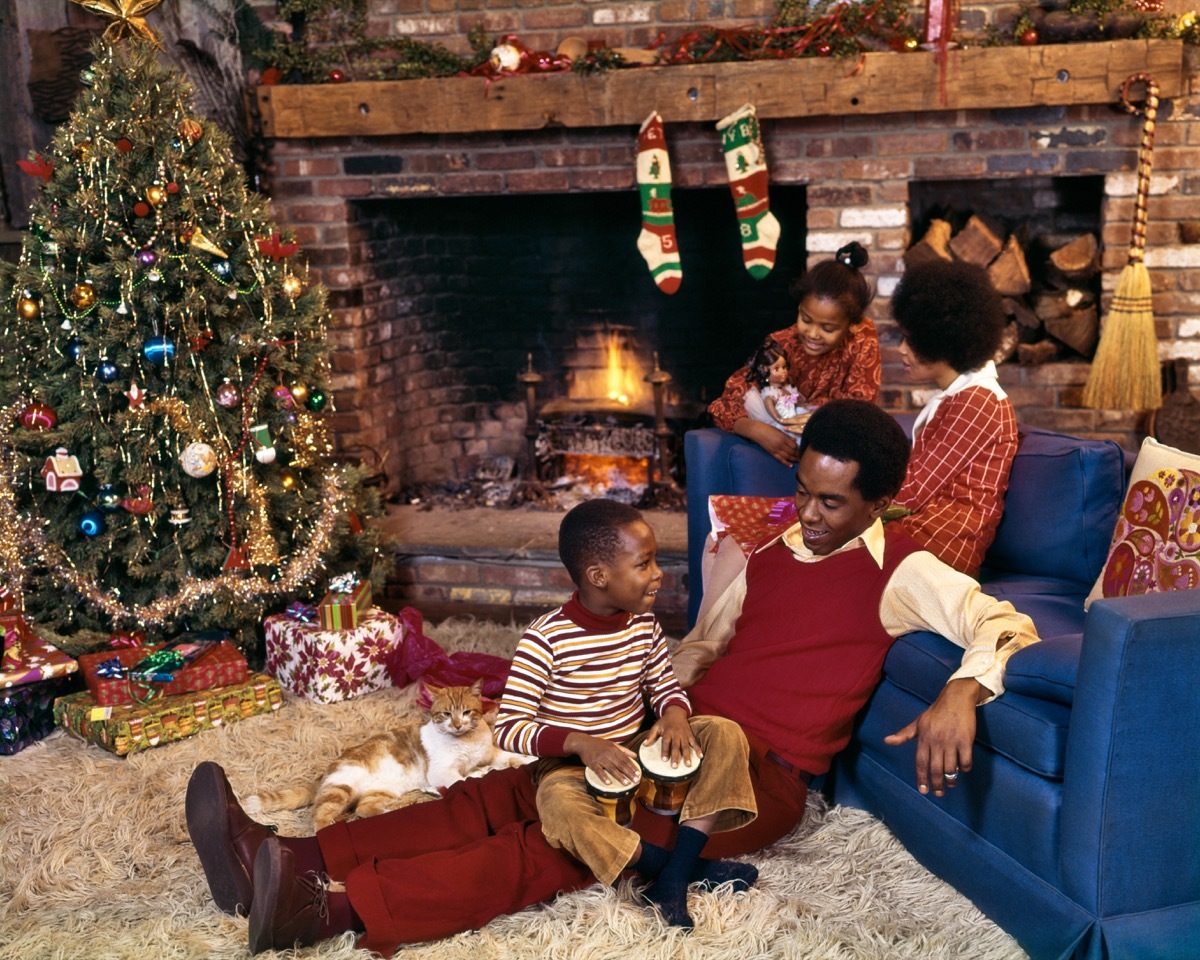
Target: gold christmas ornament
{"points": [[83, 296], [28, 308], [190, 130], [84, 150], [198, 240], [300, 392], [287, 480], [292, 286], [156, 195]]}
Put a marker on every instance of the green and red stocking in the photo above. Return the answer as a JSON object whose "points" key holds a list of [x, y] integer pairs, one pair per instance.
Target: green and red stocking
{"points": [[747, 166], [656, 242]]}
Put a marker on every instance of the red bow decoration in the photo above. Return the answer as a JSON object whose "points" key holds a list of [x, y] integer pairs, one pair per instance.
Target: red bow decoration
{"points": [[40, 167], [275, 248]]}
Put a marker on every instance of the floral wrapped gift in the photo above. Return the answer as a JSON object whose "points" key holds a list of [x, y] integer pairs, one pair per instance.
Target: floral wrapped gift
{"points": [[346, 603], [330, 665], [126, 729]]}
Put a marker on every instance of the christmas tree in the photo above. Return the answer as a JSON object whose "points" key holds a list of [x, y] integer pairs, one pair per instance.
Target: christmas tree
{"points": [[164, 450]]}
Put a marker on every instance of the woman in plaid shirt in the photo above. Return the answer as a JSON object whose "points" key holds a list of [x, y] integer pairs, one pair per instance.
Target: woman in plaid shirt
{"points": [[965, 438]]}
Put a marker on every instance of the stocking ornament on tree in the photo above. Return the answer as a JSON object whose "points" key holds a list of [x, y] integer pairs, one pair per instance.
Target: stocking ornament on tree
{"points": [[657, 239], [747, 167]]}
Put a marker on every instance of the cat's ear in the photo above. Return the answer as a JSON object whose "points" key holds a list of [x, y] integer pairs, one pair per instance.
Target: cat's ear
{"points": [[434, 691], [477, 687]]}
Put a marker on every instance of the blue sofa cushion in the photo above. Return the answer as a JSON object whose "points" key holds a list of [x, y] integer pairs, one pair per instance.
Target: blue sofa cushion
{"points": [[1046, 669], [1029, 731], [756, 474], [1060, 509]]}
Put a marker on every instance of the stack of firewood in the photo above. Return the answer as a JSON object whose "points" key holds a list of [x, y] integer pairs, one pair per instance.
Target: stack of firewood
{"points": [[1053, 310]]}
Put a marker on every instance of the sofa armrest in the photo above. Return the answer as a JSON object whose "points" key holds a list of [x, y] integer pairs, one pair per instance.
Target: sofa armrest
{"points": [[1131, 795], [721, 463]]}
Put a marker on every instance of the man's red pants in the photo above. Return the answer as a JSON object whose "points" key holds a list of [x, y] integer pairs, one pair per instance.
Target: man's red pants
{"points": [[435, 869]]}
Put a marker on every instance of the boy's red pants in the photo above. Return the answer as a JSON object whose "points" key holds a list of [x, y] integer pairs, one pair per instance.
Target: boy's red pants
{"points": [[435, 869]]}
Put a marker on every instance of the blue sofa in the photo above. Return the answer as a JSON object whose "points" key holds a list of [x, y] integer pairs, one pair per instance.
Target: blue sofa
{"points": [[1078, 830]]}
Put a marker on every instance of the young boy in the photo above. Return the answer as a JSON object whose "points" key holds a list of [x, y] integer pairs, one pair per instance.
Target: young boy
{"points": [[578, 687]]}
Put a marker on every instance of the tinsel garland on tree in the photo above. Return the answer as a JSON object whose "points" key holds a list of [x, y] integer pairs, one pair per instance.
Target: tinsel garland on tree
{"points": [[164, 388]]}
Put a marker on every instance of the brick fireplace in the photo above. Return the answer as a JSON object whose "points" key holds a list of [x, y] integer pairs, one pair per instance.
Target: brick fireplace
{"points": [[451, 257]]}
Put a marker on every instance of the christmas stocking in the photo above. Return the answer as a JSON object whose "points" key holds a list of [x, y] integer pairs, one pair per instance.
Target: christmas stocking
{"points": [[747, 168], [657, 239]]}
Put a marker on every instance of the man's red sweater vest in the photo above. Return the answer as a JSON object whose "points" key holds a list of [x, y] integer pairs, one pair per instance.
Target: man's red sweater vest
{"points": [[807, 651]]}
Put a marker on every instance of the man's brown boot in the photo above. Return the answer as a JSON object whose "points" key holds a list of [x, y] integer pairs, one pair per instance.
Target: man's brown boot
{"points": [[226, 840], [293, 908]]}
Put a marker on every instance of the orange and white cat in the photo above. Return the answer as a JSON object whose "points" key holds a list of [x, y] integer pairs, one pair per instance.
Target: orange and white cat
{"points": [[454, 743]]}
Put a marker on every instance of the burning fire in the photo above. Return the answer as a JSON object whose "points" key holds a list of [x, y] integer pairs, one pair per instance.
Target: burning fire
{"points": [[599, 475], [621, 385], [613, 373]]}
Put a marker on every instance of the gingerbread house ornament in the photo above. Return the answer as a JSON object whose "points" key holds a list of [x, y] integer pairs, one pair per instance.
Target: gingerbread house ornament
{"points": [[62, 472]]}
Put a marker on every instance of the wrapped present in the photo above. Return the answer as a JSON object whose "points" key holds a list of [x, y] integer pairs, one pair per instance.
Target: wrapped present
{"points": [[346, 603], [106, 672], [331, 665], [27, 657], [27, 711], [749, 520], [129, 728]]}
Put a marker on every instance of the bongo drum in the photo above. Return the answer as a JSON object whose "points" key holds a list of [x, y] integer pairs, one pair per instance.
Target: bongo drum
{"points": [[615, 798], [666, 786]]}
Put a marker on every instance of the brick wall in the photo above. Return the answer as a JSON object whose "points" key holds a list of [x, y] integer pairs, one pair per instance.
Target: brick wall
{"points": [[855, 172]]}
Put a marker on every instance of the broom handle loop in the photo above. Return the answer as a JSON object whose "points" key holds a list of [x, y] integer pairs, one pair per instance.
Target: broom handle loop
{"points": [[1149, 110]]}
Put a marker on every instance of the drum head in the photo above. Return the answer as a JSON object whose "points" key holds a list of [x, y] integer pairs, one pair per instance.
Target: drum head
{"points": [[652, 762], [615, 789]]}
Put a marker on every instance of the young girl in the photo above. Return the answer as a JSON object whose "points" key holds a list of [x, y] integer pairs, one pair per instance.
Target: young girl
{"points": [[832, 351], [965, 437], [771, 399]]}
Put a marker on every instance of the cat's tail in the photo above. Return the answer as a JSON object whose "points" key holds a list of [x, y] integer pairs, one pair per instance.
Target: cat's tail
{"points": [[271, 800]]}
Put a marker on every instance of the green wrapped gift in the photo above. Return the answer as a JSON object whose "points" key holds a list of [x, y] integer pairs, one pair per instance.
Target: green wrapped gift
{"points": [[128, 728]]}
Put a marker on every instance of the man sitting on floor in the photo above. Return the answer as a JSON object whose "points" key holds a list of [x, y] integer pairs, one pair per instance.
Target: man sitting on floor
{"points": [[790, 651]]}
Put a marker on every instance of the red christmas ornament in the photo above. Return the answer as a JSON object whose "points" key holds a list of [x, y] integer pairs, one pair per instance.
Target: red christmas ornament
{"points": [[141, 504], [275, 248], [201, 340], [141, 209], [824, 50], [1029, 38], [37, 168], [172, 187], [38, 416], [271, 76], [124, 145], [336, 76]]}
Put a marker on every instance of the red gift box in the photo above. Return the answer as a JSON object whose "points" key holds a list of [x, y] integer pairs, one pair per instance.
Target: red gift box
{"points": [[223, 664], [749, 520], [27, 658]]}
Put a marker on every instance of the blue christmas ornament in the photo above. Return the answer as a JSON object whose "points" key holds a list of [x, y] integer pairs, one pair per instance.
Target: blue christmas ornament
{"points": [[93, 523], [74, 348], [159, 349], [223, 269], [107, 371], [107, 498]]}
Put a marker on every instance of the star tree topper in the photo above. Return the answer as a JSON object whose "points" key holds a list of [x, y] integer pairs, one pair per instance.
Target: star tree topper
{"points": [[126, 15]]}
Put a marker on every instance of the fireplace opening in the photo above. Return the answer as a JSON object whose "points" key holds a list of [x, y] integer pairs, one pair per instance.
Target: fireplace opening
{"points": [[471, 293], [1039, 239]]}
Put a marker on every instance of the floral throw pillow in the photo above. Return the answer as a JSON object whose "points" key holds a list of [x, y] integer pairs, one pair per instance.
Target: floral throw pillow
{"points": [[1156, 543]]}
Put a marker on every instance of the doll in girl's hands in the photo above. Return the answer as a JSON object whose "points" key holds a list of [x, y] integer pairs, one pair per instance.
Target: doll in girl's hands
{"points": [[771, 398]]}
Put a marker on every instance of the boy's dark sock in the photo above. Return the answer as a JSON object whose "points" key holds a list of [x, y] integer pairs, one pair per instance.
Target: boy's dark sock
{"points": [[651, 860], [712, 873], [669, 891]]}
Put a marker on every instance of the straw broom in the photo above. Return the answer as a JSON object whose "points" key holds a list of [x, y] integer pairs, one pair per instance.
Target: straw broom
{"points": [[1125, 372]]}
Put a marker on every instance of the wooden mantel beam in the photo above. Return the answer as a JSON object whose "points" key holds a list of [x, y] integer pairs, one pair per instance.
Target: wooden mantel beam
{"points": [[980, 78]]}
